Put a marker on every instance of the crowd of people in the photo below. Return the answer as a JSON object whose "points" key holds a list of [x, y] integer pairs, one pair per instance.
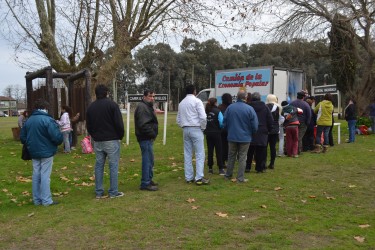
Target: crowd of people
{"points": [[241, 131]]}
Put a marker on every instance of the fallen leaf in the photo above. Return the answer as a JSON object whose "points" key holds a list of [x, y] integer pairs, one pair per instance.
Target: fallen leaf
{"points": [[364, 226], [256, 191], [65, 193], [63, 178], [92, 178], [352, 186], [263, 206], [30, 215], [72, 162], [233, 180], [89, 166], [220, 214], [175, 170], [359, 238], [132, 160], [135, 175], [5, 190], [194, 207], [26, 193], [14, 200], [64, 168], [75, 179], [278, 188], [312, 196], [330, 198], [171, 158], [174, 164], [23, 179], [190, 200], [304, 201]]}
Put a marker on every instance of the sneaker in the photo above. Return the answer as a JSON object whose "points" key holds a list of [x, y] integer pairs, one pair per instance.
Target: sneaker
{"points": [[149, 188], [152, 183], [52, 204], [221, 172], [210, 171], [119, 194], [202, 181], [243, 181]]}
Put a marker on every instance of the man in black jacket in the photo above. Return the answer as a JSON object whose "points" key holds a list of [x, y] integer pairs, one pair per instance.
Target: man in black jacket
{"points": [[106, 127], [146, 130]]}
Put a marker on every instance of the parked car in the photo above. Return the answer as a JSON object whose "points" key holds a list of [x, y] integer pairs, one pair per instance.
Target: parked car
{"points": [[2, 114]]}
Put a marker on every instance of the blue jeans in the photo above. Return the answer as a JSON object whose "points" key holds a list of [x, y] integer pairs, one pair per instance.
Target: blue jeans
{"points": [[351, 126], [66, 135], [241, 149], [102, 150], [147, 162], [325, 131], [193, 142], [42, 169]]}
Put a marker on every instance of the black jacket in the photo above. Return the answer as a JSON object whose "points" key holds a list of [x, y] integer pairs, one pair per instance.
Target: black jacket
{"points": [[104, 120], [275, 115], [260, 138], [213, 126], [146, 122], [350, 112]]}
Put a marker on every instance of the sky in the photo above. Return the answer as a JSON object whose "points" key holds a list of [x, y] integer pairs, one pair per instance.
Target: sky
{"points": [[10, 73]]}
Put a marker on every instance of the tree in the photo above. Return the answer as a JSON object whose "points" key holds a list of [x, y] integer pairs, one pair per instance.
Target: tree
{"points": [[314, 18], [100, 35]]}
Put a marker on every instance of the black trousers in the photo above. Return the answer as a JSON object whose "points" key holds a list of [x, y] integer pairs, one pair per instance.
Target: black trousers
{"points": [[214, 142], [260, 154], [272, 140]]}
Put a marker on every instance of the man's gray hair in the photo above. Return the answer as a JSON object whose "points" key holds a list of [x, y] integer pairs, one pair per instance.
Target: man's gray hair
{"points": [[255, 96], [241, 95]]}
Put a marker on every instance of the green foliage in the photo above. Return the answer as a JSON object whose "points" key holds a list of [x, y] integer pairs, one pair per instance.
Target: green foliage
{"points": [[318, 201], [364, 120]]}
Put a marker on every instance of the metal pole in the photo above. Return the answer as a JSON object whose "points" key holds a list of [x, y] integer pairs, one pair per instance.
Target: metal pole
{"points": [[165, 123]]}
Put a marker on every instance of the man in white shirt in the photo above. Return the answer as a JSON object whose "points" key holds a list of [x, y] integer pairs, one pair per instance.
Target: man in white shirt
{"points": [[192, 118]]}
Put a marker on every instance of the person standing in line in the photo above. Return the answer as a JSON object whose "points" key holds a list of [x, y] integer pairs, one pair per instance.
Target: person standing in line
{"points": [[73, 132], [291, 128], [324, 111], [308, 140], [351, 118], [371, 109], [191, 117], [213, 135], [226, 99], [304, 117], [241, 122], [146, 130], [65, 126], [258, 144], [273, 135], [105, 125], [22, 118], [42, 135]]}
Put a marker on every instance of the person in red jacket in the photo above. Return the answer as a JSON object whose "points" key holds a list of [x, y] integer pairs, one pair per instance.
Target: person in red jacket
{"points": [[291, 124]]}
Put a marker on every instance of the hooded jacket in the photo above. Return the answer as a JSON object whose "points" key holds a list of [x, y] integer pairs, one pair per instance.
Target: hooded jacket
{"points": [[324, 111], [41, 134]]}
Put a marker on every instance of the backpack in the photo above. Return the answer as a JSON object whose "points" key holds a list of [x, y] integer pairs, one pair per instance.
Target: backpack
{"points": [[86, 145]]}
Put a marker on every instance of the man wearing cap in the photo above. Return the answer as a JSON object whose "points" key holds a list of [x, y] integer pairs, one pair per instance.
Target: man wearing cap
{"points": [[304, 118]]}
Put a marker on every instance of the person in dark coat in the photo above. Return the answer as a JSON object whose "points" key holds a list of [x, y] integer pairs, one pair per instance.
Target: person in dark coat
{"points": [[275, 109], [308, 139], [226, 99], [258, 145], [213, 135], [105, 125], [146, 130], [351, 118], [304, 117], [42, 135]]}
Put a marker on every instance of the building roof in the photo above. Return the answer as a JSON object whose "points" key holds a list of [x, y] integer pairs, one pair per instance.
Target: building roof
{"points": [[6, 98]]}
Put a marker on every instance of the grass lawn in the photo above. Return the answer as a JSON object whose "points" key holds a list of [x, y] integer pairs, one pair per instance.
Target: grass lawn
{"points": [[317, 201]]}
